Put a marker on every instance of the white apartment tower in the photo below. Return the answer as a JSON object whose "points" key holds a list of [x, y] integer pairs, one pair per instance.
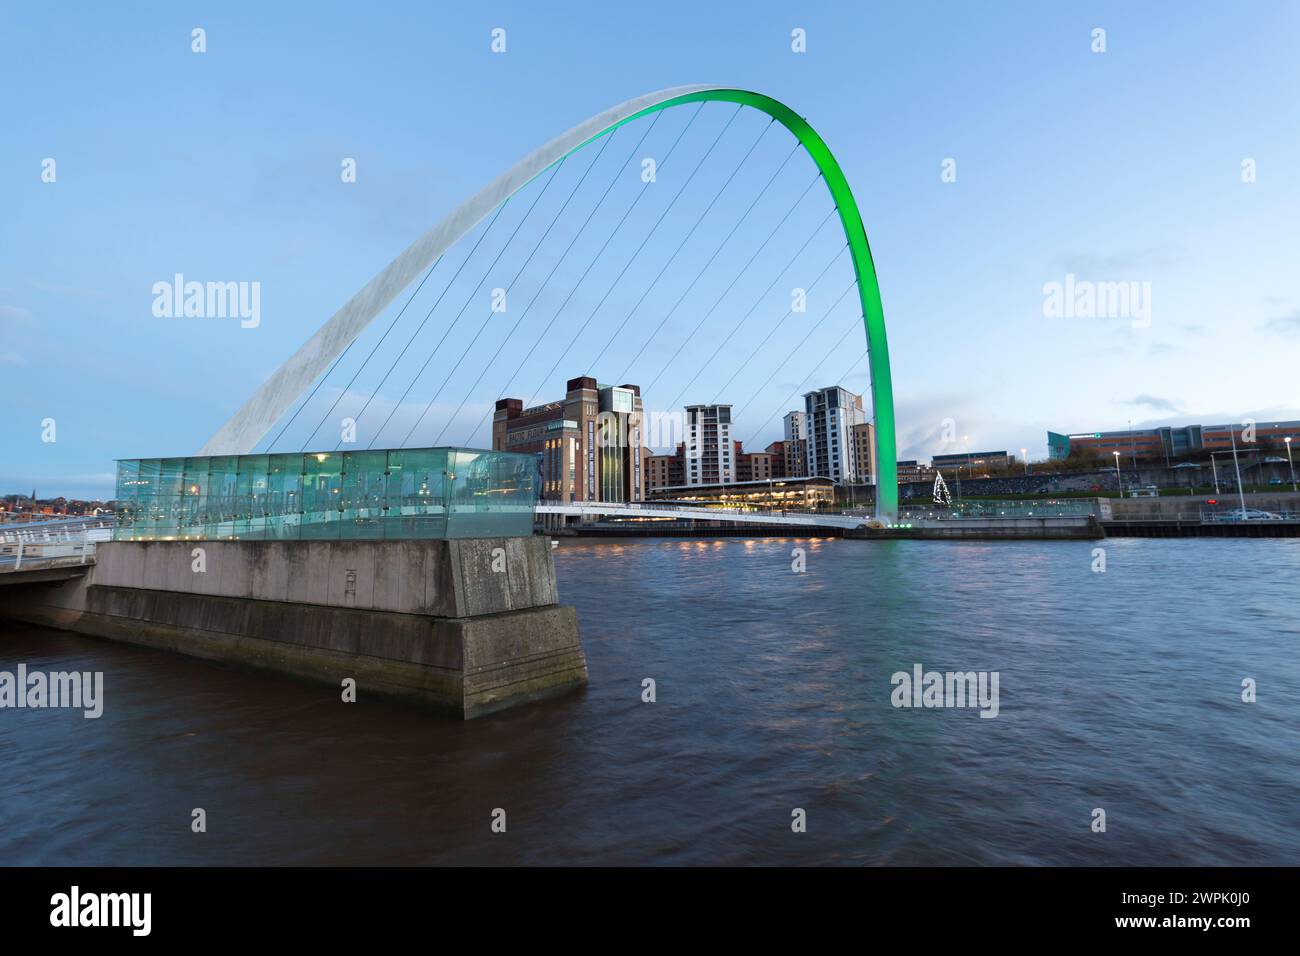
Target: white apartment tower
{"points": [[831, 414], [710, 452], [796, 426]]}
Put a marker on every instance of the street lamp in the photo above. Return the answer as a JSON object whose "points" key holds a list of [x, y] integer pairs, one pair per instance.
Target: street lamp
{"points": [[1024, 456], [1289, 463], [965, 447], [1119, 479]]}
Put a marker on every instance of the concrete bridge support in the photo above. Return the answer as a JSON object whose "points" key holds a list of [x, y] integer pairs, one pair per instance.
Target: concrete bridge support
{"points": [[465, 627]]}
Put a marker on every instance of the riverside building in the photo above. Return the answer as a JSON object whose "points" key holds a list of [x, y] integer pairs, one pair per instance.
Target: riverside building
{"points": [[710, 454], [831, 416], [589, 443]]}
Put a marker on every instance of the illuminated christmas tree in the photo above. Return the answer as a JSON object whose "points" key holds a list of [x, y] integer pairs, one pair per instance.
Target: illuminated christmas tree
{"points": [[941, 495]]}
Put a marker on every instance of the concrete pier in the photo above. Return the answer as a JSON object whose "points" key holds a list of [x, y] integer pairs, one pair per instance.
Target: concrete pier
{"points": [[465, 627]]}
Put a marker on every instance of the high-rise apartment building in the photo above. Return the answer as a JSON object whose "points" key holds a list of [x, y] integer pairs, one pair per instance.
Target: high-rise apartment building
{"points": [[831, 414], [864, 452], [796, 426], [710, 455], [795, 446]]}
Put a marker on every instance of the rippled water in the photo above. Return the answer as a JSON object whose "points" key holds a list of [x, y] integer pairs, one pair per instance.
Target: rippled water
{"points": [[1119, 690]]}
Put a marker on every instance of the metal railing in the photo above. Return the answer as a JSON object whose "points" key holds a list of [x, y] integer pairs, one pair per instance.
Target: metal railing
{"points": [[1251, 515], [1043, 508], [52, 529], [701, 512], [677, 506], [1206, 517], [50, 543]]}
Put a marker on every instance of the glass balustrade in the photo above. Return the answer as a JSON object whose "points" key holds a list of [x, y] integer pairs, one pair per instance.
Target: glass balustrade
{"points": [[400, 494]]}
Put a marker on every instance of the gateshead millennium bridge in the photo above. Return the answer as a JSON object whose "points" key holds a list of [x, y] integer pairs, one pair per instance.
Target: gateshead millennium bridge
{"points": [[251, 424]]}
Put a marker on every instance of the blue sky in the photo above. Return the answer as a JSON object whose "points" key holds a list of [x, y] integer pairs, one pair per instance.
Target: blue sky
{"points": [[1120, 166]]}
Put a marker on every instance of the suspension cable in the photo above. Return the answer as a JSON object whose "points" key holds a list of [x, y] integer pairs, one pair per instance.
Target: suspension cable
{"points": [[428, 315], [311, 395], [465, 305], [616, 278], [521, 315], [753, 308], [835, 348], [718, 301], [682, 245], [807, 337], [487, 321], [560, 310], [772, 331], [367, 359]]}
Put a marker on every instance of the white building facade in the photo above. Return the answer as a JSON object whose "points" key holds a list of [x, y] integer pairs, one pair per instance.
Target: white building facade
{"points": [[830, 416], [710, 451]]}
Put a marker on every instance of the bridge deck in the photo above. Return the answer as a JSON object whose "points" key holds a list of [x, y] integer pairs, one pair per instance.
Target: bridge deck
{"points": [[651, 510]]}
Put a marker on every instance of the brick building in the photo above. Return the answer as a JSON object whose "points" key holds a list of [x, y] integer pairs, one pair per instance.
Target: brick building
{"points": [[588, 443]]}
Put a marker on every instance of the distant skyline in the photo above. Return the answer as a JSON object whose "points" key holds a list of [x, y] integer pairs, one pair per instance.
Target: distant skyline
{"points": [[1167, 161]]}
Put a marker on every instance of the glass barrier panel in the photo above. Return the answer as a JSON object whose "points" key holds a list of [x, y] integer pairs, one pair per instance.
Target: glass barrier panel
{"points": [[127, 498], [284, 496], [362, 494], [408, 493], [223, 497], [416, 496], [321, 490]]}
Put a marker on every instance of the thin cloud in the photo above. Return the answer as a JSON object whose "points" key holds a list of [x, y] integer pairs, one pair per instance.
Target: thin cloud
{"points": [[1157, 403], [12, 313], [1289, 323], [1133, 260], [98, 295]]}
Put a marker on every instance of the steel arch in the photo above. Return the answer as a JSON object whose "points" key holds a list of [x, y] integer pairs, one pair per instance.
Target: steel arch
{"points": [[277, 395]]}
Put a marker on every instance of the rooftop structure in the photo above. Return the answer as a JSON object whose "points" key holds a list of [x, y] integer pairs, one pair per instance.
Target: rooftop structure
{"points": [[1172, 442]]}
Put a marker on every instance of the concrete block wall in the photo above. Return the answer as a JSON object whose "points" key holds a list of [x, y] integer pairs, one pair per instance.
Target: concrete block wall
{"points": [[1190, 506], [459, 578]]}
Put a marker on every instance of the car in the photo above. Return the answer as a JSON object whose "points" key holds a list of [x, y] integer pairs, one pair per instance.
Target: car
{"points": [[1274, 460], [1252, 514]]}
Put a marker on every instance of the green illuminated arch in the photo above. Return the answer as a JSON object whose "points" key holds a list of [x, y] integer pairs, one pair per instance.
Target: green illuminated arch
{"points": [[873, 313], [282, 389]]}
